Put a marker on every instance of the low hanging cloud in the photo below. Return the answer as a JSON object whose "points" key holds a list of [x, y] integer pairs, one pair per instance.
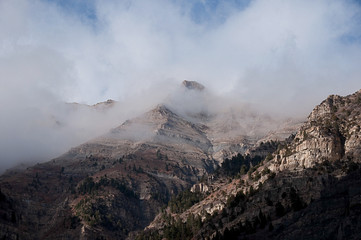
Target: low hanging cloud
{"points": [[282, 56]]}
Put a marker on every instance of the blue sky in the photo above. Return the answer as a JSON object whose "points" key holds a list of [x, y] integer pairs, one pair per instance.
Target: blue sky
{"points": [[210, 13], [200, 11], [82, 8]]}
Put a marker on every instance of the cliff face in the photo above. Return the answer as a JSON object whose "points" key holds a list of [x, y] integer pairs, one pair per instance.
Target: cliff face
{"points": [[331, 133]]}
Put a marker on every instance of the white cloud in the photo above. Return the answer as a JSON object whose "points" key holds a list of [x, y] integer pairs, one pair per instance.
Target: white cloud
{"points": [[282, 55]]}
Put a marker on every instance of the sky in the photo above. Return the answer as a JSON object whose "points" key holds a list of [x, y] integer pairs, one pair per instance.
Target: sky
{"points": [[281, 56]]}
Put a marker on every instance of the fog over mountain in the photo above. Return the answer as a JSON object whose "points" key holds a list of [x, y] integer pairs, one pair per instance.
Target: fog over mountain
{"points": [[276, 57]]}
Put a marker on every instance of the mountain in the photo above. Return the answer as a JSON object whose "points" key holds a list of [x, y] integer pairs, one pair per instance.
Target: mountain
{"points": [[108, 186], [309, 188], [193, 85], [114, 185]]}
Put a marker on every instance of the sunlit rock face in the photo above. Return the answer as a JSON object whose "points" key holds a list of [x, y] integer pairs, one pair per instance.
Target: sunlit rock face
{"points": [[331, 133]]}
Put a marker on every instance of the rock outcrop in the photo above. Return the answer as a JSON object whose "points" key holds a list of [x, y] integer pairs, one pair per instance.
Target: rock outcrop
{"points": [[332, 133]]}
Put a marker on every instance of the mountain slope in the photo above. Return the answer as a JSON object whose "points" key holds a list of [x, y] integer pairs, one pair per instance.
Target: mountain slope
{"points": [[116, 184], [100, 185], [307, 189]]}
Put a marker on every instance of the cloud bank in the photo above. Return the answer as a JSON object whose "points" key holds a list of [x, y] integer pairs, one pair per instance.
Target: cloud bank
{"points": [[282, 56]]}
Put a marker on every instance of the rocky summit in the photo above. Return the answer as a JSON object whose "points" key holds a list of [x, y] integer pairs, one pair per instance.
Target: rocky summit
{"points": [[174, 174]]}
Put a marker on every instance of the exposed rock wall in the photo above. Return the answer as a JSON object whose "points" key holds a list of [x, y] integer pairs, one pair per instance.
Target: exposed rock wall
{"points": [[331, 133]]}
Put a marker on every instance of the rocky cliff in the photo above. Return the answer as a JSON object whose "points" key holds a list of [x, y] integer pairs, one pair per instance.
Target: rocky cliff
{"points": [[331, 133], [309, 188]]}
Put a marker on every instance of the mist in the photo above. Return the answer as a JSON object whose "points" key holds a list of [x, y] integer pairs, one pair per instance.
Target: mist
{"points": [[281, 57]]}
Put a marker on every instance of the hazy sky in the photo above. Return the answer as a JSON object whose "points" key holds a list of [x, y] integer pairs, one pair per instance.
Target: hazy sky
{"points": [[284, 56]]}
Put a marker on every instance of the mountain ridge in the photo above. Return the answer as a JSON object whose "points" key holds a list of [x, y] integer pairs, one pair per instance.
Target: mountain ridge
{"points": [[114, 185], [279, 196]]}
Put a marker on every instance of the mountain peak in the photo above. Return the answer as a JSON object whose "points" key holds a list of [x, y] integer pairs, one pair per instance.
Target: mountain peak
{"points": [[162, 110], [193, 85]]}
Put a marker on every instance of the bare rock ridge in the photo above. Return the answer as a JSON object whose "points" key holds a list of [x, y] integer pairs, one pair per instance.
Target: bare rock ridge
{"points": [[107, 103], [158, 129], [99, 106]]}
